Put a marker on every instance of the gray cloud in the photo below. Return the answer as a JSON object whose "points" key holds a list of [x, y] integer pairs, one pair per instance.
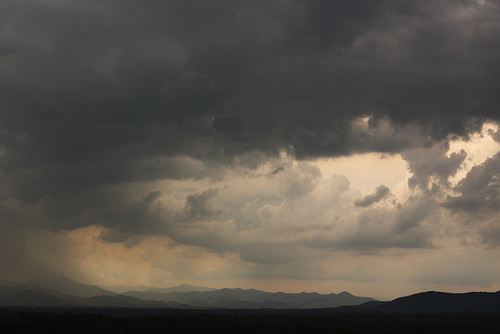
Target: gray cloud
{"points": [[380, 193], [123, 89], [267, 254], [496, 136], [198, 206], [184, 90], [376, 229], [479, 190], [433, 165], [144, 216], [414, 212], [490, 232]]}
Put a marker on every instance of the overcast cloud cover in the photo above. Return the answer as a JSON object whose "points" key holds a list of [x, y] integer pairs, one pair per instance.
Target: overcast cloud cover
{"points": [[158, 142]]}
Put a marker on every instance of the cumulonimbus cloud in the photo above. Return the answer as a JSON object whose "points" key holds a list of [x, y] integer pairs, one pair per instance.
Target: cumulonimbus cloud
{"points": [[128, 122]]}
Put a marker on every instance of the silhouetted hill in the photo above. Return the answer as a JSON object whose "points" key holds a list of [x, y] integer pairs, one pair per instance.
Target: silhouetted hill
{"points": [[372, 304], [27, 297], [441, 302], [126, 301], [7, 289], [64, 292], [31, 298], [67, 286]]}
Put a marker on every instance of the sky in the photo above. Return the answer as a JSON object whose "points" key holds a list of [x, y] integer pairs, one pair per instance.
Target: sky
{"points": [[279, 145]]}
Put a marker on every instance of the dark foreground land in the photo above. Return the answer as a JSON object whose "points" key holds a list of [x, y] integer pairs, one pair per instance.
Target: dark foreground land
{"points": [[44, 320]]}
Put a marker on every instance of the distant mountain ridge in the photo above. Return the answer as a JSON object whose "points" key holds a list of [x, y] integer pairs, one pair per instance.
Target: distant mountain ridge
{"points": [[67, 286], [32, 298], [240, 298], [67, 293], [179, 288], [60, 286]]}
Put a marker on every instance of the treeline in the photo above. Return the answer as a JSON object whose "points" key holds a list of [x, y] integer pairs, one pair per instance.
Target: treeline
{"points": [[45, 321]]}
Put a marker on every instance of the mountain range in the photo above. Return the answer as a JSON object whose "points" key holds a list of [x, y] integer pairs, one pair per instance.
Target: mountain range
{"points": [[180, 288], [65, 293]]}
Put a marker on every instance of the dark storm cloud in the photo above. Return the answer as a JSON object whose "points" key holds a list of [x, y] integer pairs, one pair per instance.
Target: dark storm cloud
{"points": [[480, 189], [198, 206], [432, 164], [477, 200], [413, 213], [380, 193], [102, 93]]}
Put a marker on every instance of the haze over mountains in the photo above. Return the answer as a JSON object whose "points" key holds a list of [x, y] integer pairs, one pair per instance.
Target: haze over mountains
{"points": [[180, 288], [66, 293]]}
